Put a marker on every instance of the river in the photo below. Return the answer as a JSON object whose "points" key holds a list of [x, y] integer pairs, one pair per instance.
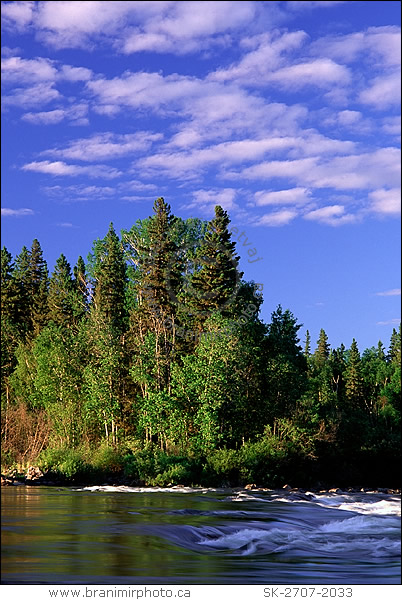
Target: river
{"points": [[124, 535]]}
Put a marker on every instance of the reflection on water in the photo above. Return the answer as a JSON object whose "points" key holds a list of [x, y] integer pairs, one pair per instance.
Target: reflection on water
{"points": [[122, 535]]}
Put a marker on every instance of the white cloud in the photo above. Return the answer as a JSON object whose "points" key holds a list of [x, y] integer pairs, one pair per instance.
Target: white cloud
{"points": [[16, 14], [360, 171], [394, 292], [349, 117], [76, 114], [79, 193], [303, 5], [206, 200], [188, 26], [50, 117], [106, 146], [386, 201], [70, 73], [36, 95], [163, 26], [278, 218], [380, 46], [67, 225], [392, 125], [383, 92], [330, 215], [390, 322], [24, 70], [59, 168], [271, 52], [290, 196], [322, 72], [16, 212], [293, 169]]}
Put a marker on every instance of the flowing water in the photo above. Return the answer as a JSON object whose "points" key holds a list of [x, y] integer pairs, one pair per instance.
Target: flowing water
{"points": [[125, 535]]}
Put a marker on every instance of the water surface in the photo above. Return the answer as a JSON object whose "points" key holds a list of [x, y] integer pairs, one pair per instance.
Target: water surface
{"points": [[123, 535]]}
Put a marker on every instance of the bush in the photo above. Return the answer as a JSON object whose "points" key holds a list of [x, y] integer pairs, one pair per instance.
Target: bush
{"points": [[107, 460], [223, 467], [66, 463]]}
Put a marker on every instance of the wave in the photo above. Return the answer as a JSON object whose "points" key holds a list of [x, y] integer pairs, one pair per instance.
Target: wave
{"points": [[140, 490]]}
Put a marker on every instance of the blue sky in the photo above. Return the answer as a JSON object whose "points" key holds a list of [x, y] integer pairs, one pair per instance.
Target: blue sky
{"points": [[285, 113]]}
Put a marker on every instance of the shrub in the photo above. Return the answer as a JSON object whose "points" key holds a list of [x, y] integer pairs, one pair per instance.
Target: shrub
{"points": [[67, 463]]}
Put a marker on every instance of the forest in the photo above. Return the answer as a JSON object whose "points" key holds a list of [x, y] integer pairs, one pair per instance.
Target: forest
{"points": [[149, 364]]}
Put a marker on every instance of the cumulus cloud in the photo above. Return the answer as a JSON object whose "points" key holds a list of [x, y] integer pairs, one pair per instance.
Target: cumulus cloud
{"points": [[290, 196], [330, 215], [389, 322], [394, 292], [383, 91], [16, 212], [59, 168], [31, 96], [206, 200], [106, 146], [163, 26], [386, 202], [278, 218], [17, 14], [76, 115], [380, 46], [79, 192]]}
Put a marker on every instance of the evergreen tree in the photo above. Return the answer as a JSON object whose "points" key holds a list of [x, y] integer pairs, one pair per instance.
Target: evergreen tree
{"points": [[80, 304], [158, 264], [110, 280], [353, 376], [37, 288], [394, 353], [24, 300], [216, 281], [321, 355], [61, 290], [307, 345], [286, 364]]}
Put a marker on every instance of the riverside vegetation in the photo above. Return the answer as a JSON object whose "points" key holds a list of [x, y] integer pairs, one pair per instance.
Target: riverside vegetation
{"points": [[149, 364]]}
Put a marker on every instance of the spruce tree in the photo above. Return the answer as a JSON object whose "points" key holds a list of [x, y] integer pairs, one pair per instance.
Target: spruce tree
{"points": [[217, 279], [307, 344], [110, 280], [321, 354], [21, 277], [38, 288], [9, 289], [60, 298], [394, 352], [353, 375], [80, 304], [158, 256]]}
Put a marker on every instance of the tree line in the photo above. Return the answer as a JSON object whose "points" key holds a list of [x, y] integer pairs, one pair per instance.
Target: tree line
{"points": [[155, 345]]}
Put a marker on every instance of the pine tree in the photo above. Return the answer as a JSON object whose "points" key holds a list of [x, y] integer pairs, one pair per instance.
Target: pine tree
{"points": [[158, 264], [216, 281], [286, 364], [394, 353], [38, 288], [22, 280], [307, 345], [353, 375], [321, 354], [110, 280], [80, 304], [8, 288], [61, 289]]}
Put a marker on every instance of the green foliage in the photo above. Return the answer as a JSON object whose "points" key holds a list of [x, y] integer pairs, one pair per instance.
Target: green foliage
{"points": [[66, 463], [151, 365]]}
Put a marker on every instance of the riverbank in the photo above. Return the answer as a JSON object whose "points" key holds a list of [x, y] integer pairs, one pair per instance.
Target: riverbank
{"points": [[35, 477], [256, 464]]}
